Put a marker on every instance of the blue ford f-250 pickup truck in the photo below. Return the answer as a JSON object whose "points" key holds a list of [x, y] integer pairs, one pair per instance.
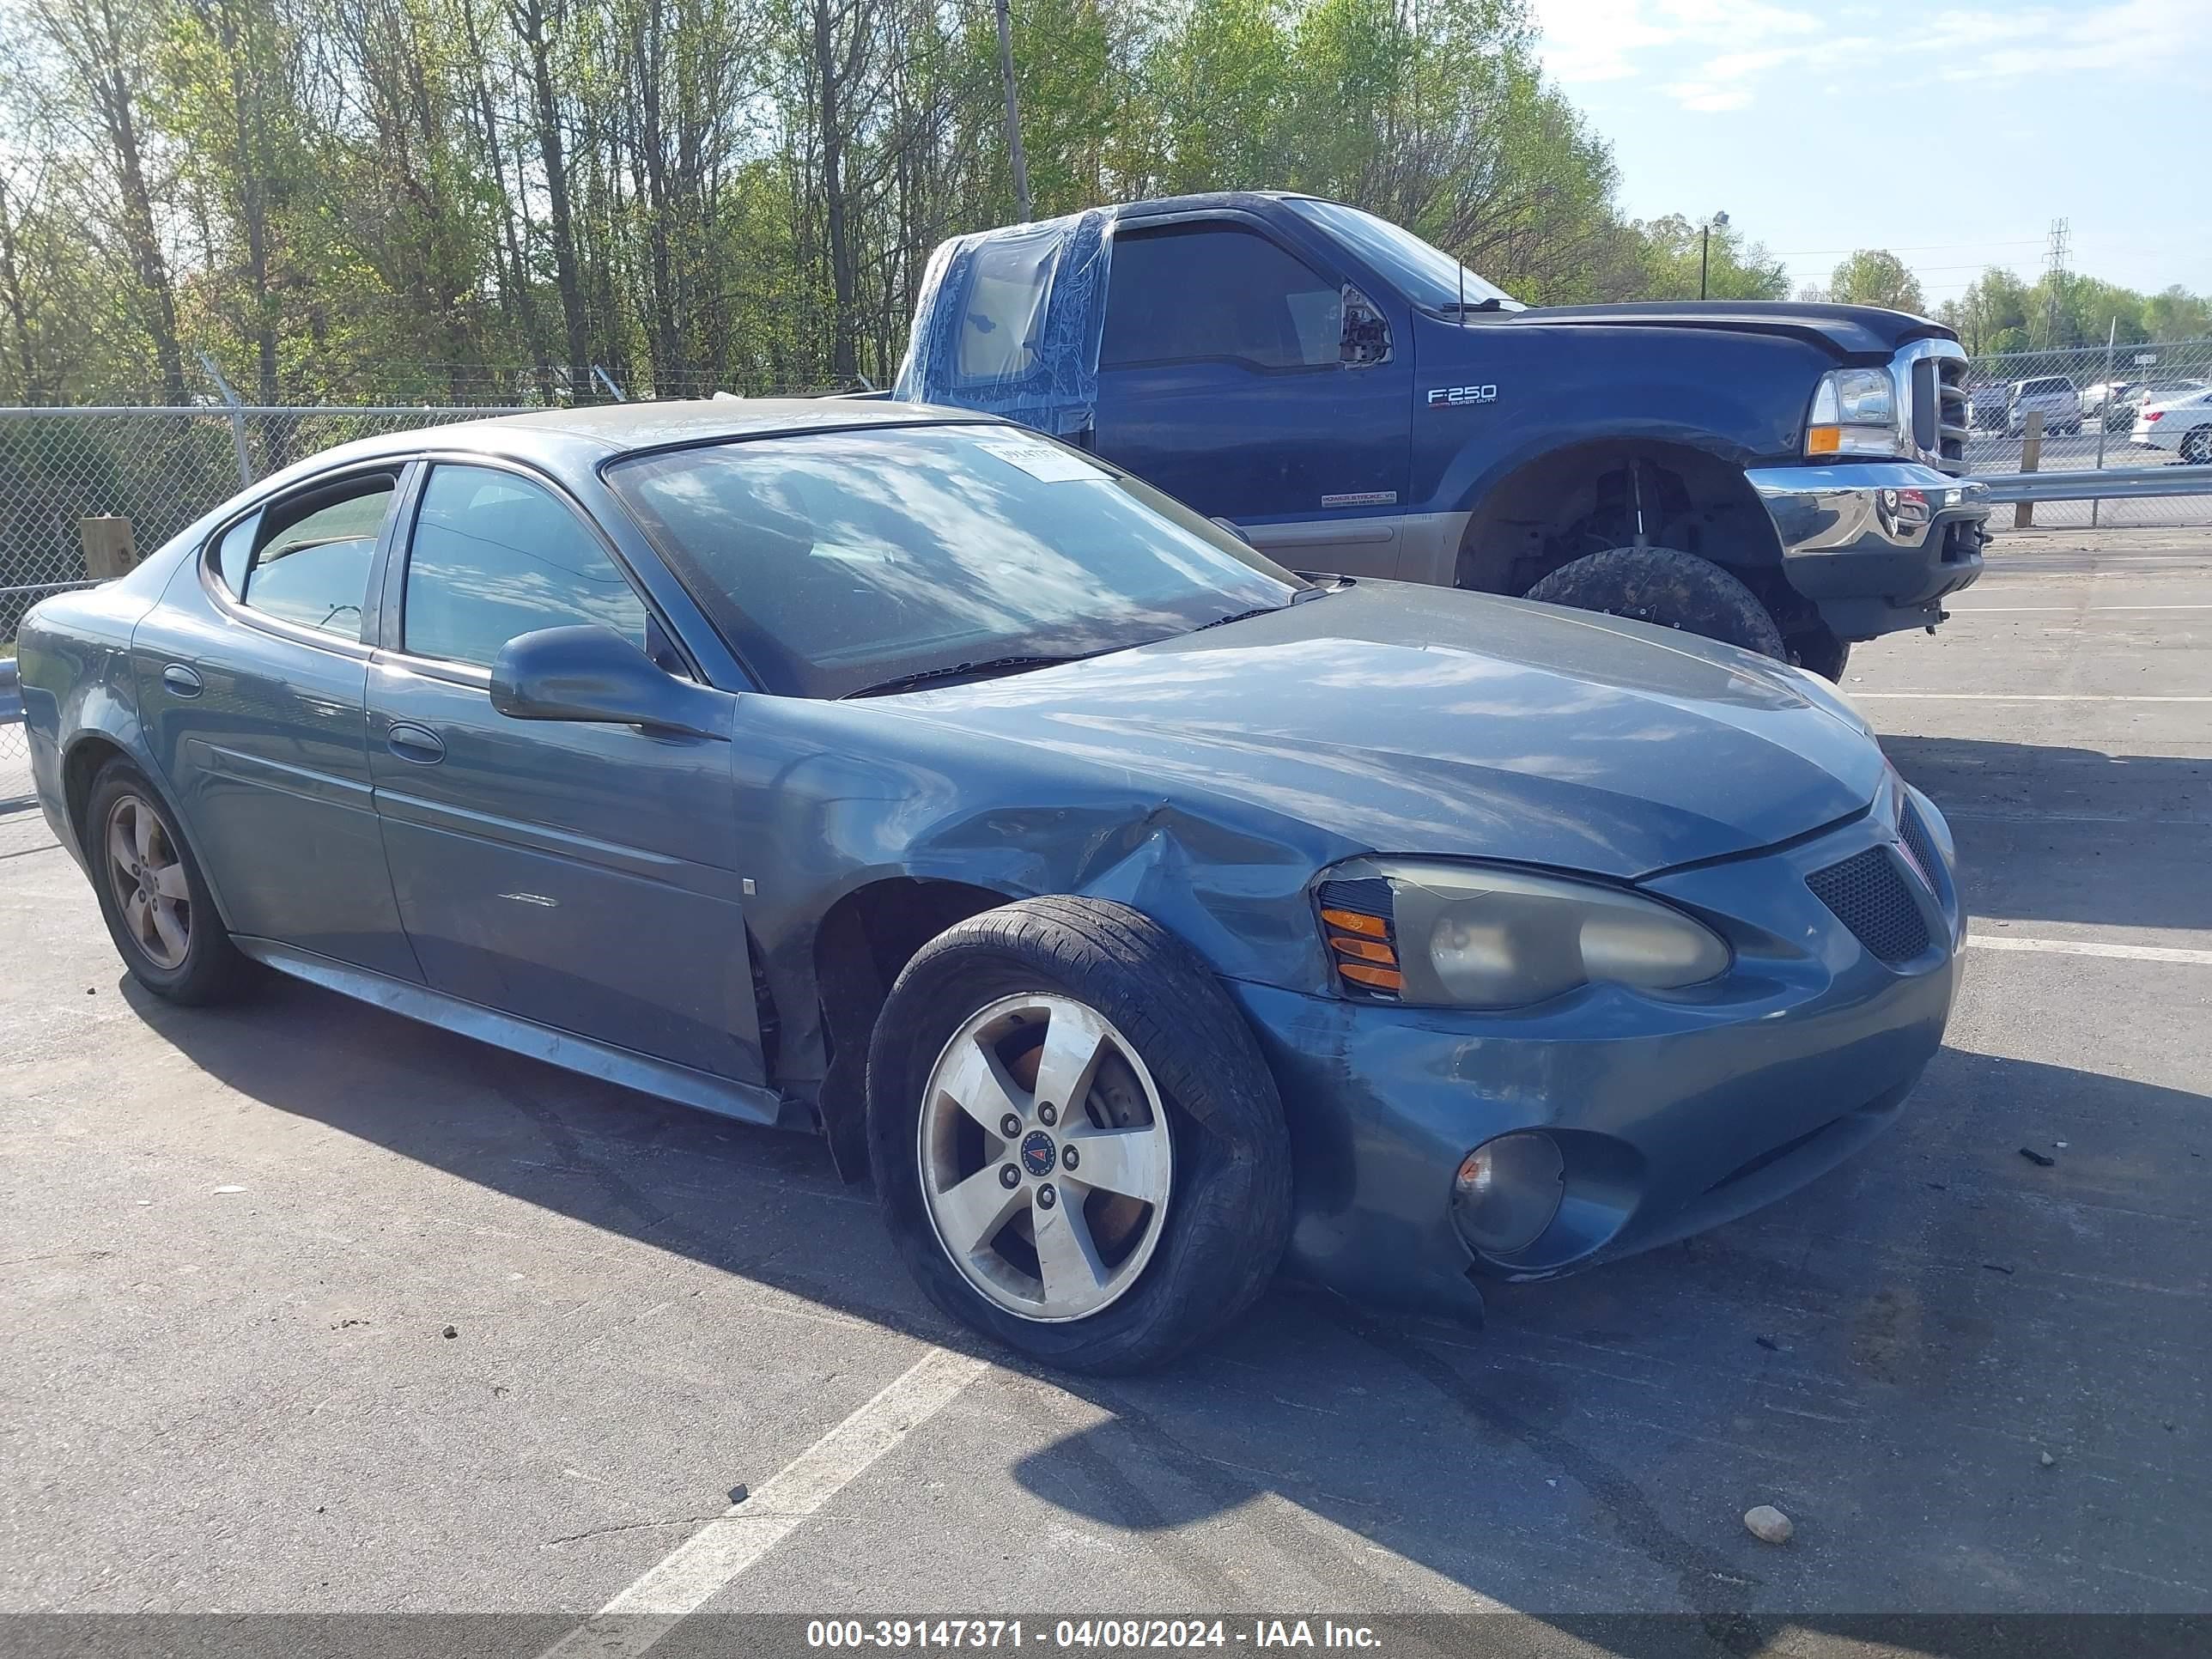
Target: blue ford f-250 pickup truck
{"points": [[1784, 476]]}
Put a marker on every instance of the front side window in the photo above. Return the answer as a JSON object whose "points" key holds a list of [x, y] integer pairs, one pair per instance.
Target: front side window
{"points": [[308, 562], [835, 562], [1212, 291], [1424, 274], [495, 555]]}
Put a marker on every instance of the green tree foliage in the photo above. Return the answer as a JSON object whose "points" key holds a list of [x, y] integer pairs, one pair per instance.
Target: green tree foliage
{"points": [[2000, 313], [441, 200], [1735, 269], [1876, 276]]}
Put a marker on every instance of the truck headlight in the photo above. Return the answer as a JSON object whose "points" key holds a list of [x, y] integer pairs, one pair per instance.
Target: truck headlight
{"points": [[1855, 412], [1473, 936]]}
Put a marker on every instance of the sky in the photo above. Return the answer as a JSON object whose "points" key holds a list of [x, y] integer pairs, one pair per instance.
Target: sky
{"points": [[1952, 135]]}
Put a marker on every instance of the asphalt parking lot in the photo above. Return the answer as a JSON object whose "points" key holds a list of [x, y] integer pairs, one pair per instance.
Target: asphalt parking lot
{"points": [[313, 1309]]}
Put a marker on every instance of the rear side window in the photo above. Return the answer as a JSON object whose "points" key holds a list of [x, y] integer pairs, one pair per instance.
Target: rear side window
{"points": [[1216, 292], [307, 561], [1004, 310], [495, 555]]}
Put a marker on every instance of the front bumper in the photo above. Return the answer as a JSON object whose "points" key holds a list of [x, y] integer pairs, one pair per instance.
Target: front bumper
{"points": [[1877, 545], [1673, 1115]]}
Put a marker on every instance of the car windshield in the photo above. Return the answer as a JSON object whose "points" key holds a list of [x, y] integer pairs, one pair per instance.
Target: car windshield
{"points": [[1426, 275], [836, 561]]}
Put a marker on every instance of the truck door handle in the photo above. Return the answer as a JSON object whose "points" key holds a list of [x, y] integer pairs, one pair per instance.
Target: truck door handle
{"points": [[181, 680], [415, 743]]}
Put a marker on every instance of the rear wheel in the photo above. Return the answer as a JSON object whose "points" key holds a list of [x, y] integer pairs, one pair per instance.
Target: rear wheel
{"points": [[1670, 588], [152, 894], [2196, 446], [1077, 1144]]}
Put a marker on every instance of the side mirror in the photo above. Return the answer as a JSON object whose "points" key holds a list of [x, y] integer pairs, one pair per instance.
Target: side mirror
{"points": [[1366, 331], [1231, 526], [592, 673]]}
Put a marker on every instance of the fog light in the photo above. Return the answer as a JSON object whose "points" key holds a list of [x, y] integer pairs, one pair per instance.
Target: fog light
{"points": [[1508, 1190]]}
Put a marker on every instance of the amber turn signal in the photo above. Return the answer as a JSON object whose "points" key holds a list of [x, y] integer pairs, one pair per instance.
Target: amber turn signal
{"points": [[1352, 921]]}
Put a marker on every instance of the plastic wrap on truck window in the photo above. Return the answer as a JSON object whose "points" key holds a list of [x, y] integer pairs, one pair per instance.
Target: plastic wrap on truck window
{"points": [[1008, 323]]}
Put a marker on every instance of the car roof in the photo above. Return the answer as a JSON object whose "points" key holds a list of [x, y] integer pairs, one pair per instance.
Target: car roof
{"points": [[624, 427], [586, 436]]}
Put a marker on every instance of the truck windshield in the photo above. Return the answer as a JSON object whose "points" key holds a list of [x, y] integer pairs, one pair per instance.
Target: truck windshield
{"points": [[838, 562], [1428, 276]]}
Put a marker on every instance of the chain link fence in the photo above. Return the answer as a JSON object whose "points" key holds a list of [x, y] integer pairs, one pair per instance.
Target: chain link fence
{"points": [[2090, 398], [160, 467]]}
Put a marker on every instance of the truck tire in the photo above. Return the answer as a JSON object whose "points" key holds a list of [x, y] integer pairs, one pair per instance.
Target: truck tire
{"points": [[1817, 651], [1102, 1233], [1672, 589]]}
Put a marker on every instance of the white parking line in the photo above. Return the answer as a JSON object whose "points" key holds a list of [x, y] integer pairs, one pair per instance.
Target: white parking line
{"points": [[2071, 610], [705, 1564], [2007, 696], [2082, 947]]}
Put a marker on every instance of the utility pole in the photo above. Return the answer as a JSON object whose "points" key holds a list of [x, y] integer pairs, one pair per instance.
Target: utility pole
{"points": [[1021, 167], [2055, 260], [1719, 220]]}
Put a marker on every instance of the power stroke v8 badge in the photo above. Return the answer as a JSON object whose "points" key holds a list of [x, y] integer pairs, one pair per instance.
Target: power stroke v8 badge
{"points": [[1444, 397]]}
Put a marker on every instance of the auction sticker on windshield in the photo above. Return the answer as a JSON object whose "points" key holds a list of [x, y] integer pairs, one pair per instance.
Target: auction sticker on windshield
{"points": [[1042, 462]]}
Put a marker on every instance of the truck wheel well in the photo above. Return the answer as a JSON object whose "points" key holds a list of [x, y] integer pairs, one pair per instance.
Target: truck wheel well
{"points": [[863, 940], [1584, 500]]}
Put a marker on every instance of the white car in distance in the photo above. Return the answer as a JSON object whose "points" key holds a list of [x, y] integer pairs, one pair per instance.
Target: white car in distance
{"points": [[2181, 423]]}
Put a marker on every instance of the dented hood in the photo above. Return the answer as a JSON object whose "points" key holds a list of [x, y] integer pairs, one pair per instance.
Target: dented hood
{"points": [[1420, 720]]}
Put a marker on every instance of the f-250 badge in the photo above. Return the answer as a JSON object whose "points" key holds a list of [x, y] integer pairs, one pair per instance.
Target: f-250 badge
{"points": [[1444, 396]]}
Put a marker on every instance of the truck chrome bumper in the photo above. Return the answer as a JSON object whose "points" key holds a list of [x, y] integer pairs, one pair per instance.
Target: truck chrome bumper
{"points": [[1875, 544]]}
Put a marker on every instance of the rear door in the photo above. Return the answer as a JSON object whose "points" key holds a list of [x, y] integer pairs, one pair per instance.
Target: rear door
{"points": [[577, 875], [252, 683], [1222, 381]]}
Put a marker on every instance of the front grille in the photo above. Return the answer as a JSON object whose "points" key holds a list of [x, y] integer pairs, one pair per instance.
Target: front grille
{"points": [[1917, 837], [1954, 413], [1869, 894]]}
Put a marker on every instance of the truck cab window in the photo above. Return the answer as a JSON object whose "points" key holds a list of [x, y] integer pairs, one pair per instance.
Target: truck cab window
{"points": [[1215, 291]]}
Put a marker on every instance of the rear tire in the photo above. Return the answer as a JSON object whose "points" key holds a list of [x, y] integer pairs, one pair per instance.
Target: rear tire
{"points": [[1669, 588], [1157, 1277], [2196, 446], [152, 896]]}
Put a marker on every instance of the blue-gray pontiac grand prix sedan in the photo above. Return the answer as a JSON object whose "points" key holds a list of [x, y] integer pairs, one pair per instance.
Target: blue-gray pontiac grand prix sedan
{"points": [[1141, 916]]}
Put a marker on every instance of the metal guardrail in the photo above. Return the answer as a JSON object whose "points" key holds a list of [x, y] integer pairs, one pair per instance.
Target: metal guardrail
{"points": [[2115, 483]]}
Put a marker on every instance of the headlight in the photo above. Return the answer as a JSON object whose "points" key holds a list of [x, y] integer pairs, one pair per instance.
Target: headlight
{"points": [[1469, 936], [1855, 413]]}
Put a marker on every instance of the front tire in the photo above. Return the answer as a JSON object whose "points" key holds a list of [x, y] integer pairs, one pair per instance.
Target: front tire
{"points": [[1078, 1146], [1672, 589], [1818, 651], [152, 896]]}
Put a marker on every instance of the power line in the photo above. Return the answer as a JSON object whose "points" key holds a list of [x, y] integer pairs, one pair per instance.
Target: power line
{"points": [[1925, 248]]}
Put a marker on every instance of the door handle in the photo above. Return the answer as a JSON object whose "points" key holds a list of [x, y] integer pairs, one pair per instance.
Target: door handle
{"points": [[415, 743], [181, 680]]}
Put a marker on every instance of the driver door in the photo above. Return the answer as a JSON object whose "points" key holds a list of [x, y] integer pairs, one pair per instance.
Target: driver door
{"points": [[1223, 380], [577, 875]]}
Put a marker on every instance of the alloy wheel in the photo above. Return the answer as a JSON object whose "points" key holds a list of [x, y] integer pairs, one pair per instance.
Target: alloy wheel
{"points": [[1045, 1157], [147, 876]]}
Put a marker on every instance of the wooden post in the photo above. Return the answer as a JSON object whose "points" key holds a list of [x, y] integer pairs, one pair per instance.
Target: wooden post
{"points": [[2030, 460], [109, 552]]}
